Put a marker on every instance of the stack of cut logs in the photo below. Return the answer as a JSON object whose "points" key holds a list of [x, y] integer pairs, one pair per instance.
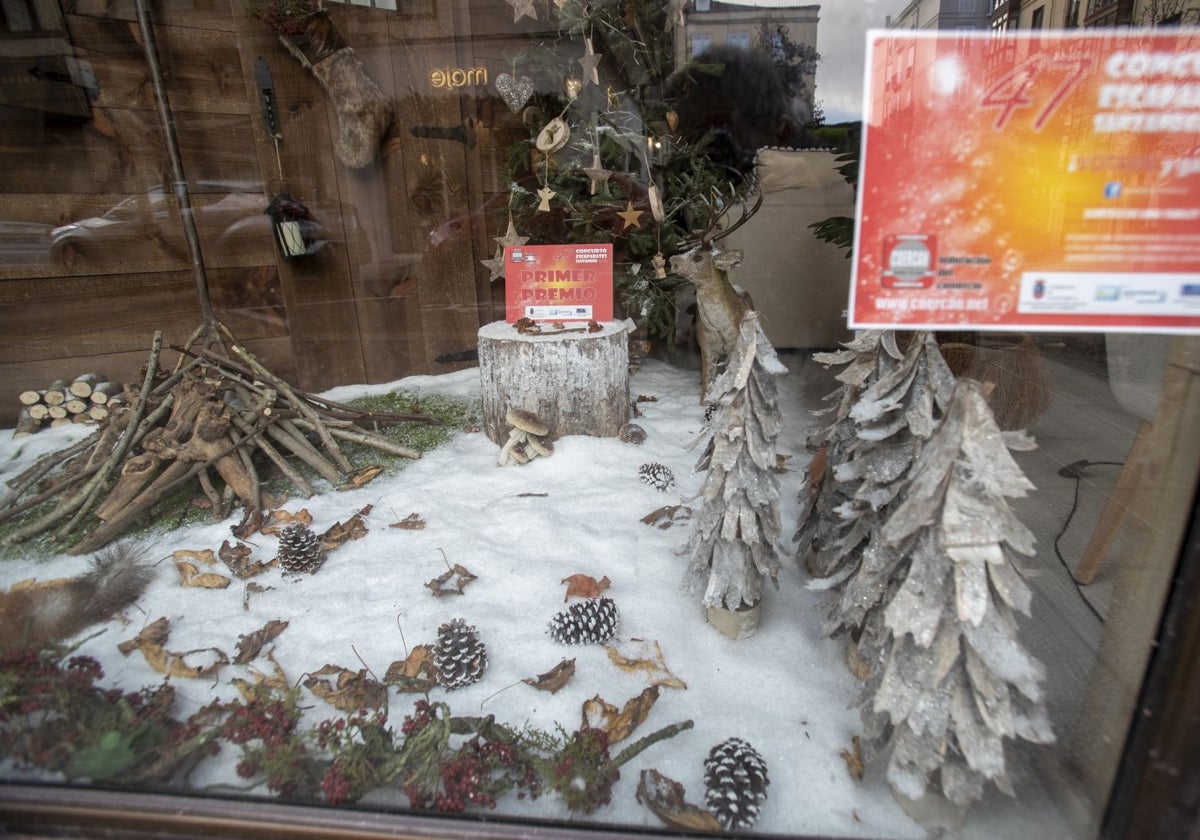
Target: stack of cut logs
{"points": [[87, 399]]}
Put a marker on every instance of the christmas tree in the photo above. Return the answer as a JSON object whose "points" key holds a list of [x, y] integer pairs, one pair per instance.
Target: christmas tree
{"points": [[735, 539], [625, 154], [907, 513]]}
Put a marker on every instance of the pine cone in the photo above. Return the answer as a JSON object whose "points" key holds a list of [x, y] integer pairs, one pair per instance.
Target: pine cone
{"points": [[735, 782], [585, 622], [459, 656], [299, 550], [657, 476]]}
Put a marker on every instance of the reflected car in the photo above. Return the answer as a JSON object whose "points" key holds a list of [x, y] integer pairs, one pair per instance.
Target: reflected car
{"points": [[24, 243], [152, 220]]}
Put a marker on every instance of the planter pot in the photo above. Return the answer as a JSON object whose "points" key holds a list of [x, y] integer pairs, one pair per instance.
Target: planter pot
{"points": [[741, 623]]}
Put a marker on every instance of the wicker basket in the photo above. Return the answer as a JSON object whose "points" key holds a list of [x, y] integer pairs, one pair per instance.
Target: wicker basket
{"points": [[1014, 365]]}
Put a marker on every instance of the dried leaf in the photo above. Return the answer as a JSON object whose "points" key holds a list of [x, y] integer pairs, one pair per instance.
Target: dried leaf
{"points": [[191, 576], [555, 678], [668, 515], [643, 655], [237, 558], [461, 578], [854, 760], [262, 685], [249, 646], [665, 798], [583, 586], [416, 674], [252, 588], [204, 557], [360, 478], [619, 725], [252, 522], [412, 522], [154, 633], [150, 642], [354, 529], [280, 519], [346, 690]]}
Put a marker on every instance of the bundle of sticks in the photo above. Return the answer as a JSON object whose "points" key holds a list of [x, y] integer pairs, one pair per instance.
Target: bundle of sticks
{"points": [[219, 415]]}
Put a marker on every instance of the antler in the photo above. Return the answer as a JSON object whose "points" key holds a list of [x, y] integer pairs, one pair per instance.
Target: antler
{"points": [[717, 209]]}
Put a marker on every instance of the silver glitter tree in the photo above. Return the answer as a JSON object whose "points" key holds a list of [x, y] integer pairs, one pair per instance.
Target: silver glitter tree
{"points": [[955, 681], [735, 541]]}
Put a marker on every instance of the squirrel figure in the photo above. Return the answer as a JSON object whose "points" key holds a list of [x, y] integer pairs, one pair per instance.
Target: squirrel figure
{"points": [[36, 614]]}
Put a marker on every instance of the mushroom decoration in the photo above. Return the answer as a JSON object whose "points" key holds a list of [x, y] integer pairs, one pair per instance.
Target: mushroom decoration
{"points": [[529, 438]]}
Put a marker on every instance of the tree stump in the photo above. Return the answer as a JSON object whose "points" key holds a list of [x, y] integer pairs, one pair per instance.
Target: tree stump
{"points": [[576, 382]]}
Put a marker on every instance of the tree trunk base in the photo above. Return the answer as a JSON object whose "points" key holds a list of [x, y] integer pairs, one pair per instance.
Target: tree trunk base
{"points": [[576, 382], [741, 623]]}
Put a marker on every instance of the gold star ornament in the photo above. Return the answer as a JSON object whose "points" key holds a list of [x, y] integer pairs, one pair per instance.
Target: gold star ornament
{"points": [[631, 217], [522, 8], [495, 265]]}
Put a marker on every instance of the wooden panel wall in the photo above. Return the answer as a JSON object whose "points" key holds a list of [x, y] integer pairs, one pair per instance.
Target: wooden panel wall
{"points": [[399, 282]]}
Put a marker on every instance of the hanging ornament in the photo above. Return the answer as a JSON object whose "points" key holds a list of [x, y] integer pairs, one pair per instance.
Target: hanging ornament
{"points": [[553, 136], [510, 238], [495, 265], [597, 173], [571, 87], [631, 217], [660, 266], [590, 62], [672, 121], [522, 8], [545, 194], [656, 205], [514, 90]]}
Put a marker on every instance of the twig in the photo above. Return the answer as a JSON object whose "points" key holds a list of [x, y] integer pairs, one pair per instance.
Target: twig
{"points": [[650, 740], [293, 440], [303, 407], [367, 439]]}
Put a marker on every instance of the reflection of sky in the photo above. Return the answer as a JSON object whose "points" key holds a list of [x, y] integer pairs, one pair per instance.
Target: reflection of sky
{"points": [[841, 41]]}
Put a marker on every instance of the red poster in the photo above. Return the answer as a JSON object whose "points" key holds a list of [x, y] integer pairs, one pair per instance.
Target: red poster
{"points": [[1034, 182], [558, 282]]}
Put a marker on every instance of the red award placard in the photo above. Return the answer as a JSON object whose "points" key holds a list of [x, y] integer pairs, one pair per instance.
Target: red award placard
{"points": [[1033, 182], [558, 282]]}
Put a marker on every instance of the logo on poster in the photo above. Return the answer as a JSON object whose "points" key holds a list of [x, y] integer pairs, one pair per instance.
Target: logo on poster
{"points": [[908, 261]]}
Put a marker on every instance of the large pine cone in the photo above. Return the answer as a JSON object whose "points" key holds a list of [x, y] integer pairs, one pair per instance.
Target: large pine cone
{"points": [[735, 782], [459, 656], [585, 622], [299, 550]]}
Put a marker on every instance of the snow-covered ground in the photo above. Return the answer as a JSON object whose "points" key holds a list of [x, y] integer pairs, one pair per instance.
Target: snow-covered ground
{"points": [[521, 530]]}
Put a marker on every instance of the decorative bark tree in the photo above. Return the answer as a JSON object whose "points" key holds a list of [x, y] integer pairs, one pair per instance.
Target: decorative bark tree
{"points": [[955, 682], [888, 403], [735, 538]]}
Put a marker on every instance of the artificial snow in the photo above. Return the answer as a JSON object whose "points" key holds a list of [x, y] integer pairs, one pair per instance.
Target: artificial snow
{"points": [[521, 530]]}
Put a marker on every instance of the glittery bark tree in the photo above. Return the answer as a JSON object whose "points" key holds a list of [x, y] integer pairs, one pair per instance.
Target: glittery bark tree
{"points": [[735, 538], [954, 682]]}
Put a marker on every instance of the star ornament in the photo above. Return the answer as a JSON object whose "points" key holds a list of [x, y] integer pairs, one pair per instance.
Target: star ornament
{"points": [[495, 265], [510, 238], [522, 8], [597, 173], [590, 62], [631, 217], [545, 194]]}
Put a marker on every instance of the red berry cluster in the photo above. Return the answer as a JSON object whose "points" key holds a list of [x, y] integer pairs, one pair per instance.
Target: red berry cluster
{"points": [[421, 717], [271, 722], [335, 784], [584, 773], [464, 782]]}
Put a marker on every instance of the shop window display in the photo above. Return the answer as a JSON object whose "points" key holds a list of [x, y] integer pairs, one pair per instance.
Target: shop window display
{"points": [[671, 532]]}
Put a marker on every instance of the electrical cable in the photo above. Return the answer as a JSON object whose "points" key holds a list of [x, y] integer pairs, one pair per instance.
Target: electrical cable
{"points": [[1075, 470]]}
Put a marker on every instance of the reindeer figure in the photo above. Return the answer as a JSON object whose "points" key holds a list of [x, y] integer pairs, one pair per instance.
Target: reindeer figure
{"points": [[719, 307]]}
